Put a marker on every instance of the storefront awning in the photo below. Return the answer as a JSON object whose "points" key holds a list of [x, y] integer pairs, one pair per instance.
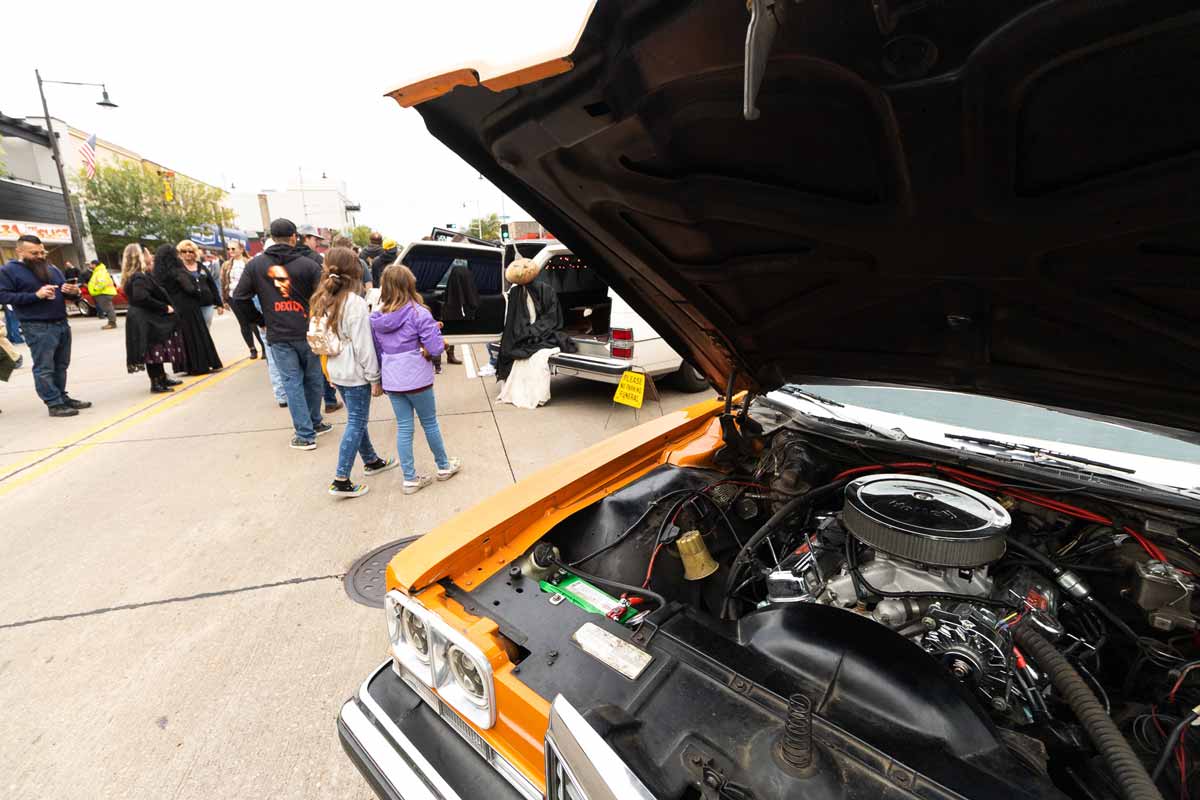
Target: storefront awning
{"points": [[49, 233]]}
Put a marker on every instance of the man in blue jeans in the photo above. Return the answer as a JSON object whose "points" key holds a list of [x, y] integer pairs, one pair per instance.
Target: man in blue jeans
{"points": [[36, 289], [283, 279]]}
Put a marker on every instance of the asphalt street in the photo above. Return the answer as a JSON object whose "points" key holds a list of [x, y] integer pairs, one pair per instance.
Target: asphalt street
{"points": [[173, 622]]}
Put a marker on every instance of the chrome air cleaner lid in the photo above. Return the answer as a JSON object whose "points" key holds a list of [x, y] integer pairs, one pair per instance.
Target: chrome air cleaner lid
{"points": [[926, 520]]}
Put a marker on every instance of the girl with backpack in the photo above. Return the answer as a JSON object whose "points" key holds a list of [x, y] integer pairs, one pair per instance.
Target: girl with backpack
{"points": [[407, 339], [340, 331]]}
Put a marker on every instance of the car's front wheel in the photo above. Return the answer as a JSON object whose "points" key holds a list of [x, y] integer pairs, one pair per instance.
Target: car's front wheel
{"points": [[689, 379], [83, 308]]}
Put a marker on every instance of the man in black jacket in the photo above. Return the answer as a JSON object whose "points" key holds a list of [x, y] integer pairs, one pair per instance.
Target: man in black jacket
{"points": [[283, 280], [310, 240], [372, 251], [384, 260]]}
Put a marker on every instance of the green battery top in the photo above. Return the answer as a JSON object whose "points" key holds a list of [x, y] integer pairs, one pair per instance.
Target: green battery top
{"points": [[587, 596]]}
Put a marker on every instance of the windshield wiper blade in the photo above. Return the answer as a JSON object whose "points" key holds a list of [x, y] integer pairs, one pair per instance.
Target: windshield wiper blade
{"points": [[796, 391], [1045, 453], [895, 434]]}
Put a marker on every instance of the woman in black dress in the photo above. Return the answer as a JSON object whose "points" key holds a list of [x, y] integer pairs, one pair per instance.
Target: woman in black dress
{"points": [[189, 292], [151, 339]]}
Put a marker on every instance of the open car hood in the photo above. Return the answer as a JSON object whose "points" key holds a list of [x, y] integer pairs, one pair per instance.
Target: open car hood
{"points": [[994, 197]]}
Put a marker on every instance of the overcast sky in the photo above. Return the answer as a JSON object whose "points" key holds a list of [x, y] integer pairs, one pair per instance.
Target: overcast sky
{"points": [[201, 85]]}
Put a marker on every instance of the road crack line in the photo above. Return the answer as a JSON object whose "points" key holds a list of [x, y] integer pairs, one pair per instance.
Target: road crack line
{"points": [[169, 600]]}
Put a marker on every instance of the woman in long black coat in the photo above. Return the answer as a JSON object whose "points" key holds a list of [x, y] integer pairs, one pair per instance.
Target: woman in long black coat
{"points": [[189, 292], [151, 338]]}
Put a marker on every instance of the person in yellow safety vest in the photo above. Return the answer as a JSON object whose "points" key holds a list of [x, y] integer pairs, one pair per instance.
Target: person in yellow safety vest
{"points": [[103, 290]]}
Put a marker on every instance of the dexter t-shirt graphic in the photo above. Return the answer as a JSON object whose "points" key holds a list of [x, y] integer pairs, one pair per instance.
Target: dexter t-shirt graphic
{"points": [[283, 279]]}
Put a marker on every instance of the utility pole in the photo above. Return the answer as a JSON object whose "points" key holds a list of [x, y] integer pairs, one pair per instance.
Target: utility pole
{"points": [[72, 223]]}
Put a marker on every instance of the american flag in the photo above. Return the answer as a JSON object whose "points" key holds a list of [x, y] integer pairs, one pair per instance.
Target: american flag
{"points": [[87, 151]]}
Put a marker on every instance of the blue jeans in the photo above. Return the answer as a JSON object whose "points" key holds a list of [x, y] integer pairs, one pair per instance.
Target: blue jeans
{"points": [[50, 347], [272, 370], [426, 407], [355, 438], [300, 373], [12, 328], [330, 394]]}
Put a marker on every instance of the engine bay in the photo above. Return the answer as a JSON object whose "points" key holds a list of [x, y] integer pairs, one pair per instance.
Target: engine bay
{"points": [[1061, 618]]}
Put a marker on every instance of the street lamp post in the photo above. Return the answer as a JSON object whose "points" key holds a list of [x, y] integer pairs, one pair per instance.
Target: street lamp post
{"points": [[104, 102]]}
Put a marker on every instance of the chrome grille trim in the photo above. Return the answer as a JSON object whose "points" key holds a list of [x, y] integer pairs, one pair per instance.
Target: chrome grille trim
{"points": [[507, 771]]}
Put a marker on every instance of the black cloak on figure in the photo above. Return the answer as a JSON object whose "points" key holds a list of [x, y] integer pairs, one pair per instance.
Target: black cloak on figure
{"points": [[521, 339], [462, 297]]}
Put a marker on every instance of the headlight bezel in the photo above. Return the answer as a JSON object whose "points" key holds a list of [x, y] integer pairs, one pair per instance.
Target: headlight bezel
{"points": [[434, 670]]}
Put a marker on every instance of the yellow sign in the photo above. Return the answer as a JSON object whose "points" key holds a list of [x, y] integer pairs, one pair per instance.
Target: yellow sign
{"points": [[631, 389]]}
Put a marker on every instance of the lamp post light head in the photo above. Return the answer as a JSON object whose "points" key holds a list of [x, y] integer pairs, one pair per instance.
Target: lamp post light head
{"points": [[104, 101]]}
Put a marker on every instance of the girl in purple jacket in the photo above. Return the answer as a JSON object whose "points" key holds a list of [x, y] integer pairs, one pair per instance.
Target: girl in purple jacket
{"points": [[406, 339]]}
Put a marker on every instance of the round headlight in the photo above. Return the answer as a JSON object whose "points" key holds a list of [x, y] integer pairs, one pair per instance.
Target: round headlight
{"points": [[416, 633], [466, 675], [392, 611]]}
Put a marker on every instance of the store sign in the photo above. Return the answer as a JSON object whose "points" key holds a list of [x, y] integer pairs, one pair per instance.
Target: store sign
{"points": [[11, 230]]}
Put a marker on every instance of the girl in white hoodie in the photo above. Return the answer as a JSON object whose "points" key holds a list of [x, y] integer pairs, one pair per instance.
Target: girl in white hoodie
{"points": [[340, 322]]}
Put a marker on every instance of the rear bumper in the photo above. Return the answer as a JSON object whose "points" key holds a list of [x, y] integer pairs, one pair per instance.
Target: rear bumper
{"points": [[593, 368], [379, 729]]}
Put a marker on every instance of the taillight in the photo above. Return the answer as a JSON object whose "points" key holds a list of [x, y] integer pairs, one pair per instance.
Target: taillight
{"points": [[620, 342]]}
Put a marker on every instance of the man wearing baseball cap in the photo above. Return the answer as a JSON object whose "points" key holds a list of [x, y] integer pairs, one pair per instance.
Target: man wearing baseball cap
{"points": [[310, 240], [283, 279]]}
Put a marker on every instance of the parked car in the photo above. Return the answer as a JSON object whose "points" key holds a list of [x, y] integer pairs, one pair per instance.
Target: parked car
{"points": [[608, 341], [976, 577], [86, 304], [430, 262], [610, 338]]}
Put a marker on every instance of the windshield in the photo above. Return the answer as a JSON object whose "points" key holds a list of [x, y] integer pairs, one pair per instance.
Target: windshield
{"points": [[1008, 418]]}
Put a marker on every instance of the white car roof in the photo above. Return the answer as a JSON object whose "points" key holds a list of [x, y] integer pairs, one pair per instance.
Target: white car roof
{"points": [[449, 246]]}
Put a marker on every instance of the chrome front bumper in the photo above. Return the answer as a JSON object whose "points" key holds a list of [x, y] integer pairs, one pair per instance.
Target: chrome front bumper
{"points": [[379, 728]]}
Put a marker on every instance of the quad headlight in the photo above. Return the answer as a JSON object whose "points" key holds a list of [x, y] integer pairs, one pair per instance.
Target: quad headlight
{"points": [[442, 658]]}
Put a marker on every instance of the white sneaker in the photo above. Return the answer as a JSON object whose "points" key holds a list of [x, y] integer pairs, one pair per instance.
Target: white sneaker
{"points": [[451, 471], [486, 371], [412, 487]]}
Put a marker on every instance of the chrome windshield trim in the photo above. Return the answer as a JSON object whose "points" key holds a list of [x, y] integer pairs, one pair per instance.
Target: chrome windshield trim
{"points": [[426, 771], [591, 763]]}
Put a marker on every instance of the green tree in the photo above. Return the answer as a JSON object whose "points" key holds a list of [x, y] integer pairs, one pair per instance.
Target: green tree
{"points": [[483, 227], [359, 234], [130, 203]]}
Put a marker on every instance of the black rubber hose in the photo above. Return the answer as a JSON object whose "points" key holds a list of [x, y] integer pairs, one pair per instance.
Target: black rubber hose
{"points": [[1130, 774], [1169, 747], [1055, 570], [1034, 554], [776, 520], [626, 588]]}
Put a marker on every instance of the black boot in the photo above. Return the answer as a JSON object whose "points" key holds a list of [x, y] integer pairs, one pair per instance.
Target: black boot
{"points": [[158, 386]]}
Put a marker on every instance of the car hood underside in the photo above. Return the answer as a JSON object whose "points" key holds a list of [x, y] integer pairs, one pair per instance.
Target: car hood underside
{"points": [[991, 197]]}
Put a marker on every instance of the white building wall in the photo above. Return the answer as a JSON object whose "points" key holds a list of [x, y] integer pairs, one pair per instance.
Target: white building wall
{"points": [[30, 162], [322, 205]]}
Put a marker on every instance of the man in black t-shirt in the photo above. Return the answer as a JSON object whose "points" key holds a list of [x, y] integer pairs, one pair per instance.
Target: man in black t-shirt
{"points": [[283, 280]]}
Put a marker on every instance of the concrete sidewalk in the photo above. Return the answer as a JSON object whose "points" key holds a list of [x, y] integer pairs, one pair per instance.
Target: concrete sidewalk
{"points": [[172, 617]]}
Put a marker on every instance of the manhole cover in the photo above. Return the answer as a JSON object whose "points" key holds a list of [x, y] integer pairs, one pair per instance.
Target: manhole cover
{"points": [[366, 580]]}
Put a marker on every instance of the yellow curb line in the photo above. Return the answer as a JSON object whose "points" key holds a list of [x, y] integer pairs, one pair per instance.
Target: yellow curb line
{"points": [[72, 448]]}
